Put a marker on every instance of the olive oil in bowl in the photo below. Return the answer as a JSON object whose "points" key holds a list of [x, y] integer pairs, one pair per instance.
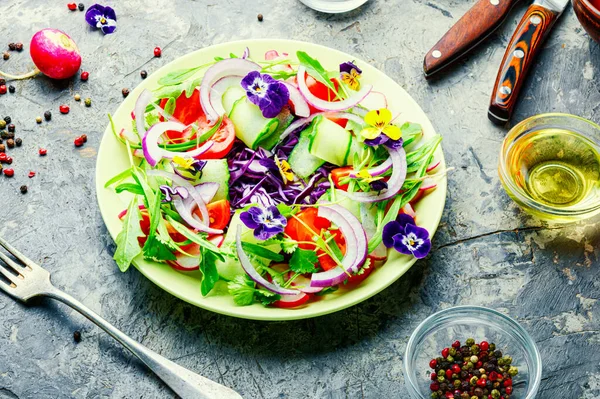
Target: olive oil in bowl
{"points": [[553, 169]]}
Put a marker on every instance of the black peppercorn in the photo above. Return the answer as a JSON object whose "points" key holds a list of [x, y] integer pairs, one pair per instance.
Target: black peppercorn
{"points": [[77, 336], [19, 46], [23, 189], [4, 134], [12, 46], [11, 89], [143, 74], [10, 135], [81, 7], [10, 143], [47, 115], [7, 119], [11, 127], [260, 17], [125, 92], [19, 142], [84, 138]]}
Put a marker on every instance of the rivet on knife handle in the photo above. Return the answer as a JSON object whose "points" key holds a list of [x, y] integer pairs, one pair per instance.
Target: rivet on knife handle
{"points": [[478, 23], [520, 53]]}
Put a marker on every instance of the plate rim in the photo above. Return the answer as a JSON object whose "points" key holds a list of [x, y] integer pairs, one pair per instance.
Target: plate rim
{"points": [[242, 311]]}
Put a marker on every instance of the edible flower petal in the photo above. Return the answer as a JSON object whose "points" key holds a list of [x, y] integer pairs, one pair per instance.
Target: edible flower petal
{"points": [[406, 237], [102, 17], [269, 94], [350, 74], [380, 123], [266, 222], [189, 163], [285, 169]]}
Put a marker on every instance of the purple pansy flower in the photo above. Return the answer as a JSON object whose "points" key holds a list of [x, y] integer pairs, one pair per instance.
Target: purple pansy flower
{"points": [[102, 17], [347, 67], [269, 94], [378, 185], [406, 237], [266, 222], [350, 74], [385, 140]]}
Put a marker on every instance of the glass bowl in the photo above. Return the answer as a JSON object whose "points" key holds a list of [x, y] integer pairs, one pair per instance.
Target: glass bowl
{"points": [[334, 6], [550, 166], [482, 324]]}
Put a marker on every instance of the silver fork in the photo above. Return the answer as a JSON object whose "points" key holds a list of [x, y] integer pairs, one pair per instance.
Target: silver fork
{"points": [[28, 280]]}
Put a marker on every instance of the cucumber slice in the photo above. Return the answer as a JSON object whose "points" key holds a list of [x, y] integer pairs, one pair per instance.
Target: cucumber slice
{"points": [[230, 96], [217, 171], [302, 162], [356, 147], [285, 118], [331, 142], [250, 125], [352, 206]]}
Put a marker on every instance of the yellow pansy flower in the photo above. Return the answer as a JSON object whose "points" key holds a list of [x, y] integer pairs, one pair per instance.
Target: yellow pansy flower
{"points": [[379, 122], [186, 163], [285, 169]]}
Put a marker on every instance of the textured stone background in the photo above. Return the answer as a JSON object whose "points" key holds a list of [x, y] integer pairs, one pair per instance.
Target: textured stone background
{"points": [[487, 251]]}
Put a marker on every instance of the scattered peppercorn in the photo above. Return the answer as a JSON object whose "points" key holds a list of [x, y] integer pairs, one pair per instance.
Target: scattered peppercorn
{"points": [[84, 138], [3, 157], [31, 174], [2, 123], [11, 89], [5, 55], [11, 127], [47, 115], [143, 74], [84, 76], [10, 143], [38, 120], [64, 109], [72, 6], [81, 7], [19, 46], [23, 189], [42, 151], [125, 92], [88, 102], [2, 89], [2, 149], [9, 172], [260, 17], [19, 142], [77, 97], [9, 135], [157, 52], [77, 336], [7, 119], [12, 46], [78, 142]]}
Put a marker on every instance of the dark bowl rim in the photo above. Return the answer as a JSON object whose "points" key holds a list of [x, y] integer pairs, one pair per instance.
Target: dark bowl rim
{"points": [[590, 6]]}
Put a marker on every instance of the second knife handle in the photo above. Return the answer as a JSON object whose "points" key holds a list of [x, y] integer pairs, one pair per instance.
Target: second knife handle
{"points": [[518, 58], [478, 23]]}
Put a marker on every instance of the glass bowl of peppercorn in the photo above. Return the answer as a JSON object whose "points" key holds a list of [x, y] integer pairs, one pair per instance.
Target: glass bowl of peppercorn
{"points": [[471, 352]]}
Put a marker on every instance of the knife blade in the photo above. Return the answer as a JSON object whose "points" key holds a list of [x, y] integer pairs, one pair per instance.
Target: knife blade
{"points": [[477, 24], [524, 45]]}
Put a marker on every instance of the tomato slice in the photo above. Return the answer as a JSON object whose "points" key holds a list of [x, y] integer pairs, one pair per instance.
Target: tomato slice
{"points": [[223, 140], [219, 213], [320, 90], [292, 301], [338, 174], [299, 232], [187, 110], [327, 261]]}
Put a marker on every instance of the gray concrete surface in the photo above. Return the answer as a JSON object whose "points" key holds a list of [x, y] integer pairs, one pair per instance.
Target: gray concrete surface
{"points": [[486, 252]]}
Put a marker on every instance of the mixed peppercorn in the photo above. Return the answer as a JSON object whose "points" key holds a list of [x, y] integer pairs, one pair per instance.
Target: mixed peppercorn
{"points": [[472, 371]]}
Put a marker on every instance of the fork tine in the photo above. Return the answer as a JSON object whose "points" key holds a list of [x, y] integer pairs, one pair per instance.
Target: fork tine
{"points": [[11, 263], [14, 252], [9, 276]]}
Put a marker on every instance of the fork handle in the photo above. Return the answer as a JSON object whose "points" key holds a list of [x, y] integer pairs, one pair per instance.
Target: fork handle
{"points": [[182, 381]]}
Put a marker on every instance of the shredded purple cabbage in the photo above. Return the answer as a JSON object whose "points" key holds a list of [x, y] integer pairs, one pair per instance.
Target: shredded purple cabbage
{"points": [[255, 178]]}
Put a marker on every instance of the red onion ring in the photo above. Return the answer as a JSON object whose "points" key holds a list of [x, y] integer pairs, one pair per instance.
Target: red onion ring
{"points": [[140, 109], [376, 170], [152, 151], [356, 246], [399, 168], [301, 108], [330, 105], [219, 88], [251, 271], [228, 67], [186, 214]]}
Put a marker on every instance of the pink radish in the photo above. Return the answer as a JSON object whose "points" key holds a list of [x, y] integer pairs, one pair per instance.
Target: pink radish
{"points": [[54, 54]]}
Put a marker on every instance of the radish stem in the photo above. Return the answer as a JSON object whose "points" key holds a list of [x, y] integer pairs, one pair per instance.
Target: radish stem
{"points": [[20, 77]]}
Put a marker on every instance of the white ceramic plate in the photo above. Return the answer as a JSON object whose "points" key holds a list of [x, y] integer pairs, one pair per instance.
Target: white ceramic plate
{"points": [[112, 159]]}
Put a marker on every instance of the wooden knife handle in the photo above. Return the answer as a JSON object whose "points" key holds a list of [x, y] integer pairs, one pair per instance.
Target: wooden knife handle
{"points": [[478, 23], [520, 53]]}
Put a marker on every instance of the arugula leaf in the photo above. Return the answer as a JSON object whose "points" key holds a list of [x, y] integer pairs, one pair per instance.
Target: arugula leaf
{"points": [[121, 176], [165, 92], [191, 86], [315, 69], [243, 292], [261, 251], [196, 238], [303, 261], [130, 187], [287, 210], [128, 246], [208, 267], [178, 76], [170, 106], [156, 247], [337, 252]]}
